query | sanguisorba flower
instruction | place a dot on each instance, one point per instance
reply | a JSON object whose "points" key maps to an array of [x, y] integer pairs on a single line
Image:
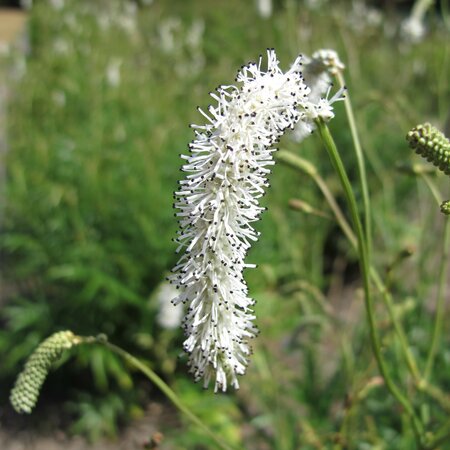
{"points": [[317, 72], [318, 69], [217, 203]]}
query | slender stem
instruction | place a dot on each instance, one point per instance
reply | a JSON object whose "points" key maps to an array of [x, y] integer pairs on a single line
{"points": [[165, 389], [365, 271], [439, 319], [432, 187], [438, 324], [305, 166], [361, 165], [387, 298], [420, 8]]}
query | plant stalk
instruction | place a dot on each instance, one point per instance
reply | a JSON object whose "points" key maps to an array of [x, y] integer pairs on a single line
{"points": [[361, 165], [365, 271], [165, 389], [439, 318]]}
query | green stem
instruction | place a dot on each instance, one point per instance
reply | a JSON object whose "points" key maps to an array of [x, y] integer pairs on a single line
{"points": [[420, 8], [305, 166], [361, 165], [432, 187], [439, 319], [165, 389], [388, 301], [365, 271]]}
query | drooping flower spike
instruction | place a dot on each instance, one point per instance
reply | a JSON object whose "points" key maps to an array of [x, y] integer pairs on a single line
{"points": [[427, 141], [445, 207], [26, 390], [217, 202]]}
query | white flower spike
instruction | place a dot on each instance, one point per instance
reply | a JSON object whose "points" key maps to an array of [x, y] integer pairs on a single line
{"points": [[217, 202], [317, 72]]}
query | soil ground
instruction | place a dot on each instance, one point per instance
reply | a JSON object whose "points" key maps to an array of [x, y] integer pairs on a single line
{"points": [[139, 435]]}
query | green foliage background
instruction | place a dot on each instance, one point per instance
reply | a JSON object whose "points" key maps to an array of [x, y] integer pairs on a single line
{"points": [[97, 119]]}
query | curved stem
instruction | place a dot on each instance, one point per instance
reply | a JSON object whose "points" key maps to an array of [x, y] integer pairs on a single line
{"points": [[438, 324], [365, 271], [387, 297], [439, 319], [432, 187], [361, 165], [165, 389], [305, 166], [420, 8]]}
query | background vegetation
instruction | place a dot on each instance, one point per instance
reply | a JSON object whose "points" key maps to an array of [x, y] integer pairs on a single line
{"points": [[101, 96]]}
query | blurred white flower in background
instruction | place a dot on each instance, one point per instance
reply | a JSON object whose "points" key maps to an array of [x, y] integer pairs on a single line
{"points": [[126, 17], [104, 22], [194, 42], [123, 15], [70, 20], [112, 74], [362, 17], [167, 31], [194, 34], [315, 4], [59, 98], [412, 29], [130, 8], [169, 316], [127, 23], [264, 8], [26, 4], [19, 51], [57, 4], [61, 46], [184, 43]]}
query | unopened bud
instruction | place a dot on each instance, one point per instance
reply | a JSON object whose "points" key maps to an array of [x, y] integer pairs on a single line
{"points": [[25, 393], [430, 143]]}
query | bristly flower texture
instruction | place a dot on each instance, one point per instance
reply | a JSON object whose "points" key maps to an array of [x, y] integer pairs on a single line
{"points": [[317, 72], [217, 202]]}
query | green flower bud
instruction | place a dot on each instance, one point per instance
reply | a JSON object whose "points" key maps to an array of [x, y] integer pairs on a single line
{"points": [[430, 143], [25, 393], [445, 207]]}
